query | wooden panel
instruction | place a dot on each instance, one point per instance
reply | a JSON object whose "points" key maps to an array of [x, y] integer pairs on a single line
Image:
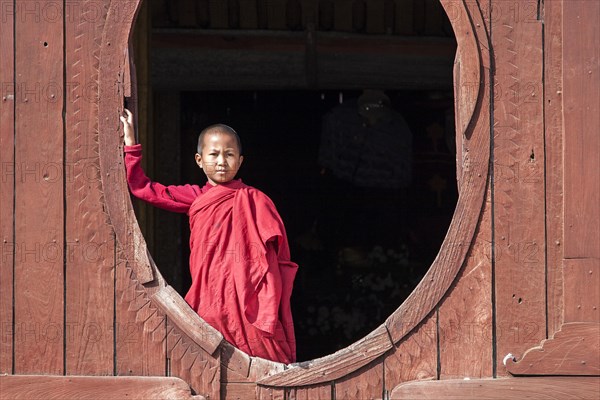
{"points": [[554, 162], [465, 316], [186, 13], [276, 14], [581, 85], [248, 14], [343, 15], [322, 392], [581, 290], [558, 388], [519, 215], [39, 212], [415, 357], [403, 17], [7, 190], [140, 330], [238, 391], [89, 269], [375, 16], [433, 18], [366, 383], [573, 350], [219, 17], [82, 387], [265, 393]]}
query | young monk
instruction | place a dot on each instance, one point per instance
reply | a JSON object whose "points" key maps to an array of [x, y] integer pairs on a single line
{"points": [[240, 264]]}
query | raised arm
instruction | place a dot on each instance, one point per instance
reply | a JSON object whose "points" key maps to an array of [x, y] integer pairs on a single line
{"points": [[177, 198]]}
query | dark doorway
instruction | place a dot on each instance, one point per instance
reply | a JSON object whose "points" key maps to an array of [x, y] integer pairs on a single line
{"points": [[361, 250]]}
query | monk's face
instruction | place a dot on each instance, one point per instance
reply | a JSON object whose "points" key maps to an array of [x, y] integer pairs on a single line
{"points": [[220, 158]]}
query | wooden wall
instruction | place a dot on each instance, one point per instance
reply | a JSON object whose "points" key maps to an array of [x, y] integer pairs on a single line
{"points": [[518, 272]]}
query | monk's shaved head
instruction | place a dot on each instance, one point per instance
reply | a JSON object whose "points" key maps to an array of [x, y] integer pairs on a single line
{"points": [[218, 128]]}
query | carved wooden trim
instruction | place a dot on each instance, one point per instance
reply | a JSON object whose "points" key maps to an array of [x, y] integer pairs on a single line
{"points": [[182, 316], [572, 351], [472, 131]]}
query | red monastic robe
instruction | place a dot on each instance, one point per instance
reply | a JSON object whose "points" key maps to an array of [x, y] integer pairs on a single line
{"points": [[240, 264]]}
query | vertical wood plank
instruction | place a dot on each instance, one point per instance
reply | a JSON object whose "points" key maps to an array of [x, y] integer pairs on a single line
{"points": [[266, 393], [39, 211], [248, 14], [465, 316], [375, 16], [366, 383], [7, 188], [404, 17], [582, 291], [581, 77], [276, 14], [553, 116], [343, 15], [309, 12], [414, 357], [89, 260], [322, 392], [219, 18], [519, 214], [433, 18], [186, 13]]}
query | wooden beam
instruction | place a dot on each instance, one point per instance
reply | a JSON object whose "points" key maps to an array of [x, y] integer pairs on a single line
{"points": [[562, 388], [245, 60], [32, 387]]}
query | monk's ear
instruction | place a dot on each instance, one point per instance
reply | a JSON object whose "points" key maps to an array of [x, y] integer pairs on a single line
{"points": [[199, 160], [241, 161]]}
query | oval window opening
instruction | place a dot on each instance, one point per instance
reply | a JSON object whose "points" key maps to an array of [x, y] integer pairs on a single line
{"points": [[351, 133]]}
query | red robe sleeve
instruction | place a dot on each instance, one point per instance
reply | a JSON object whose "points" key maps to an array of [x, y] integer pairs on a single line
{"points": [[177, 198]]}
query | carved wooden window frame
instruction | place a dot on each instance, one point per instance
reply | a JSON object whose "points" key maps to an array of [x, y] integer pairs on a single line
{"points": [[471, 82]]}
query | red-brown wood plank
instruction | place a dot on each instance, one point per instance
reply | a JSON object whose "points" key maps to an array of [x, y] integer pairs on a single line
{"points": [[266, 393], [414, 357], [366, 383], [465, 316], [581, 290], [89, 269], [33, 387], [321, 392], [39, 211], [554, 159], [519, 214], [550, 388], [7, 190], [581, 101]]}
